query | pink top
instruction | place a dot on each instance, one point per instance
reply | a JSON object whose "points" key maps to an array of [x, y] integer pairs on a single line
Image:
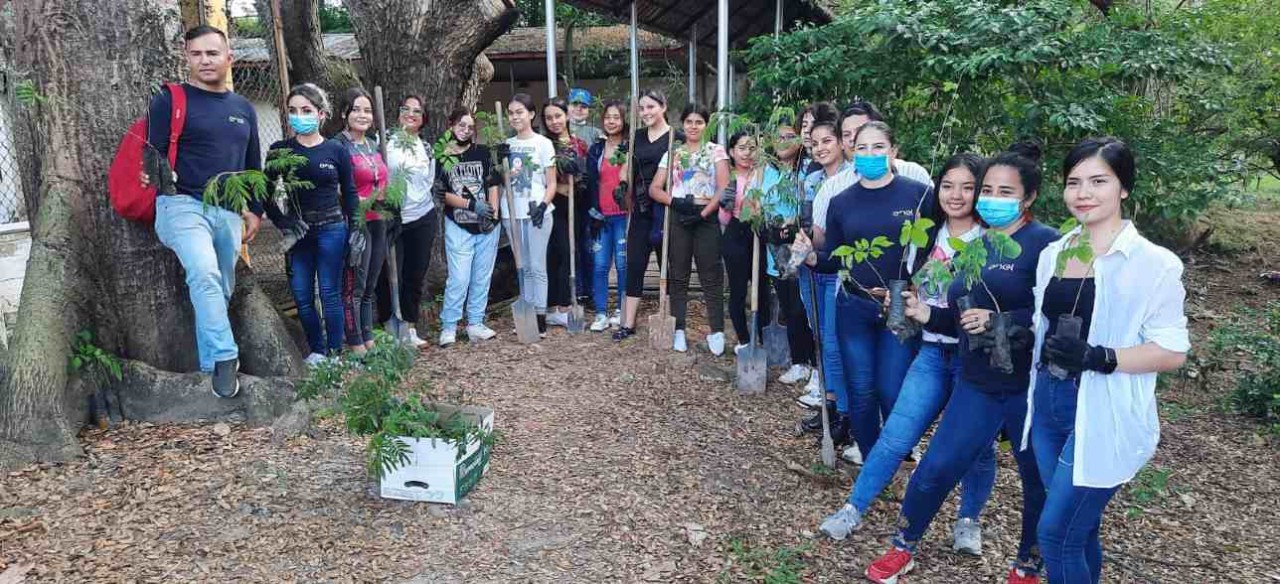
{"points": [[741, 182], [610, 177]]}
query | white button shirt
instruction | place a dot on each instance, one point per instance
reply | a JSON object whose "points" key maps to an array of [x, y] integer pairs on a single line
{"points": [[1138, 299]]}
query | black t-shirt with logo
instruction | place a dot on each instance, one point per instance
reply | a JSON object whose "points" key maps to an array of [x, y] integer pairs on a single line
{"points": [[471, 176], [332, 196]]}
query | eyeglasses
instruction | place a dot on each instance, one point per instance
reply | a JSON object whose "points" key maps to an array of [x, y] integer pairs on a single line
{"points": [[413, 111]]}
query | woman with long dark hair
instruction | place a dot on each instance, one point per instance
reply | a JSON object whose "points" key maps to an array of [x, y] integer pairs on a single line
{"points": [[318, 218], [607, 218], [570, 154], [1092, 419], [531, 165], [989, 395], [468, 183], [370, 252], [737, 246], [700, 172], [644, 237], [409, 158]]}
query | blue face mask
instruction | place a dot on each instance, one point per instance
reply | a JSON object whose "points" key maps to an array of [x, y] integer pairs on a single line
{"points": [[871, 166], [999, 211], [304, 124]]}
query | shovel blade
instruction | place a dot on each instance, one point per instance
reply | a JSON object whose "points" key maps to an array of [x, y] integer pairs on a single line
{"points": [[526, 320], [753, 368], [662, 330], [776, 346], [577, 320]]}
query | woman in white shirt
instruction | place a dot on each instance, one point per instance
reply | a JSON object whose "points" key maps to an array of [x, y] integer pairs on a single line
{"points": [[1092, 406], [531, 164], [409, 158]]}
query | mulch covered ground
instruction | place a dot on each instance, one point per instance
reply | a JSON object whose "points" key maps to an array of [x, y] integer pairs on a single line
{"points": [[617, 464]]}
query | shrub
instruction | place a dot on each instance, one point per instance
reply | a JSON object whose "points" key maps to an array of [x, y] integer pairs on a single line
{"points": [[1255, 335]]}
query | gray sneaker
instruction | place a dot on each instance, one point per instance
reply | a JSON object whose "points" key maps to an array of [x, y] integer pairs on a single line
{"points": [[225, 382], [841, 523], [968, 537]]}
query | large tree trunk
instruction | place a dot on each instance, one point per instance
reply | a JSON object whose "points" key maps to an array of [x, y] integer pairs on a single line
{"points": [[304, 46], [427, 47], [95, 63]]}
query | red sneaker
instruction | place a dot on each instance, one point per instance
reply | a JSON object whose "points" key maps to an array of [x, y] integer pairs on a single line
{"points": [[1017, 576], [894, 563]]}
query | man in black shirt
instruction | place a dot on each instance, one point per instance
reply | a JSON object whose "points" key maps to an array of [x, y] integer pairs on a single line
{"points": [[220, 135]]}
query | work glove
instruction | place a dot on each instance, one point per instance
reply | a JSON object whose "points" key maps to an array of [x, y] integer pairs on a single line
{"points": [[481, 209], [1021, 338], [729, 198], [537, 211], [984, 341], [503, 150], [568, 165], [806, 215], [1075, 355], [620, 194], [357, 242], [684, 206]]}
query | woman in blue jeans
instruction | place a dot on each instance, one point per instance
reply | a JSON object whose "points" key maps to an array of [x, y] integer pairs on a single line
{"points": [[987, 396], [467, 182], [605, 191], [929, 381], [316, 218], [1093, 422], [875, 361]]}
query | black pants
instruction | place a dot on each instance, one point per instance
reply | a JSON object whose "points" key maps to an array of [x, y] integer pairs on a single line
{"points": [[638, 252], [736, 247], [413, 259], [582, 220], [360, 283], [698, 242], [799, 335], [559, 286]]}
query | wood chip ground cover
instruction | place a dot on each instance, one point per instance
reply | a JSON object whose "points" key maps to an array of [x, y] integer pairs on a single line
{"points": [[618, 464]]}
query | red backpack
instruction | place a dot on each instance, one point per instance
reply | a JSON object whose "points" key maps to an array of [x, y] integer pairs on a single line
{"points": [[130, 198]]}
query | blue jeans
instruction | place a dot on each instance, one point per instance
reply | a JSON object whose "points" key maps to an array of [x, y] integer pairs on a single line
{"points": [[832, 368], [321, 255], [207, 241], [471, 257], [972, 420], [1072, 515], [608, 246], [875, 363], [925, 390]]}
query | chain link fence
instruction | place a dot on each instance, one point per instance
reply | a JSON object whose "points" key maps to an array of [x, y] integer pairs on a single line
{"points": [[12, 208]]}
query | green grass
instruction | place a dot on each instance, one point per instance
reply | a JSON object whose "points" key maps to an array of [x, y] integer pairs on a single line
{"points": [[1267, 188], [1148, 489], [763, 564]]}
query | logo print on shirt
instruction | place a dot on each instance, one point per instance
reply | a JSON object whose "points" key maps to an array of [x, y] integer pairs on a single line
{"points": [[904, 213], [237, 120], [327, 166]]}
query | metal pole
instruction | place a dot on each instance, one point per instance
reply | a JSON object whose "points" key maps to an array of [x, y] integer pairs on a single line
{"points": [[635, 59], [693, 63], [722, 61], [777, 19], [551, 48]]}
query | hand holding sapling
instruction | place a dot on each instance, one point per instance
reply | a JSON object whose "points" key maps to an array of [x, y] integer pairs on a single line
{"points": [[1076, 355]]}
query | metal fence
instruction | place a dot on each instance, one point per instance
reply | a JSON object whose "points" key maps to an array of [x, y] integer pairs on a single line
{"points": [[12, 208]]}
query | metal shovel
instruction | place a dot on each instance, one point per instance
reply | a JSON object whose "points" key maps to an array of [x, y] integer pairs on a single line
{"points": [[393, 269], [753, 363], [662, 326], [776, 345], [577, 322], [828, 445], [522, 312]]}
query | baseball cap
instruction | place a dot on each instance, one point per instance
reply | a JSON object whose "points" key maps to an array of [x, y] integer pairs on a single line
{"points": [[580, 95]]}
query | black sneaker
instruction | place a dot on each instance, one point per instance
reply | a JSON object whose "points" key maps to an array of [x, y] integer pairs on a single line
{"points": [[814, 423], [624, 333], [225, 382]]}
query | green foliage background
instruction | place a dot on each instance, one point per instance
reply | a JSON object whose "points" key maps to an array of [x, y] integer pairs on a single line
{"points": [[956, 75]]}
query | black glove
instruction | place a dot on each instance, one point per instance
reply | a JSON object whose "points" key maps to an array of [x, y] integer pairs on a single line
{"points": [[620, 194], [780, 236], [481, 209], [623, 146], [1021, 338], [568, 165], [503, 150], [1076, 355], [684, 206], [806, 215], [537, 211], [357, 241], [983, 341], [729, 198]]}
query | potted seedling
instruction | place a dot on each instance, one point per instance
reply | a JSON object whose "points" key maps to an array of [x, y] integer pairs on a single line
{"points": [[914, 233], [1081, 250], [968, 263]]}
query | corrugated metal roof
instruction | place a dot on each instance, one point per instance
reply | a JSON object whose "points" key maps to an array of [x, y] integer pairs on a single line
{"points": [[747, 18]]}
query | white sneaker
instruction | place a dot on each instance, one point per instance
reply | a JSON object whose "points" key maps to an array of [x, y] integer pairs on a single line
{"points": [[314, 359], [558, 319], [479, 332], [715, 342], [967, 537], [738, 349], [813, 397], [600, 324], [852, 455], [840, 524], [917, 455], [448, 337], [795, 374], [616, 319], [411, 337], [815, 384], [678, 342]]}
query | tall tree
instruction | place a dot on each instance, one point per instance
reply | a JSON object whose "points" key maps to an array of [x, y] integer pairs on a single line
{"points": [[304, 45], [93, 65], [429, 47]]}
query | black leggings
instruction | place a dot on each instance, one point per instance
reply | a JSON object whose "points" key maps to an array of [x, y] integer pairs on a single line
{"points": [[700, 242], [638, 252], [360, 282], [736, 247], [559, 288], [413, 259], [799, 335]]}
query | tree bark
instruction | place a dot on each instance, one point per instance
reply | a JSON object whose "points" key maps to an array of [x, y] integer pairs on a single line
{"points": [[427, 47], [96, 64]]}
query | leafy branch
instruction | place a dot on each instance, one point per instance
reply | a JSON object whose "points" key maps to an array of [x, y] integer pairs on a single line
{"points": [[87, 357], [861, 252]]}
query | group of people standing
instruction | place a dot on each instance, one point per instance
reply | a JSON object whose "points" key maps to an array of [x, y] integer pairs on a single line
{"points": [[1083, 338]]}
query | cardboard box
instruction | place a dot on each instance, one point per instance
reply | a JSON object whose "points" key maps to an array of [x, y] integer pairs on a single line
{"points": [[435, 473]]}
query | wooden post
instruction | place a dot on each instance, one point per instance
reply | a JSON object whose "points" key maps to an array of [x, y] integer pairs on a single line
{"points": [[282, 66]]}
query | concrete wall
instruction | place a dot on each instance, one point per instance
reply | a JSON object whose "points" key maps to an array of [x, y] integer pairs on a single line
{"points": [[15, 248], [11, 206]]}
